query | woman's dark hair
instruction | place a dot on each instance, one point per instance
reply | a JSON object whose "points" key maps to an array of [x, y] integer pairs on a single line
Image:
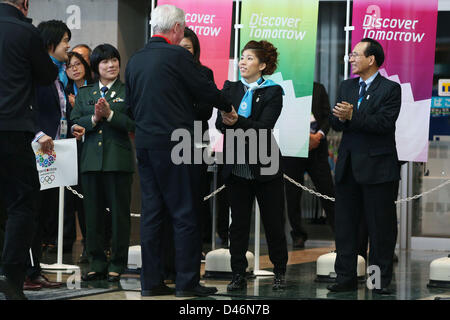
{"points": [[266, 53], [375, 49], [103, 52], [188, 33], [52, 33], [87, 69]]}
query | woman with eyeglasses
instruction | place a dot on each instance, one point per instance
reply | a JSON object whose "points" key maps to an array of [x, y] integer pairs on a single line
{"points": [[79, 74]]}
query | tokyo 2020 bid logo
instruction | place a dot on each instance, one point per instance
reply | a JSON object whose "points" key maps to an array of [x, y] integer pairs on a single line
{"points": [[46, 159]]}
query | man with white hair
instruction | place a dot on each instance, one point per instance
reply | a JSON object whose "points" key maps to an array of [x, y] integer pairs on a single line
{"points": [[162, 84]]}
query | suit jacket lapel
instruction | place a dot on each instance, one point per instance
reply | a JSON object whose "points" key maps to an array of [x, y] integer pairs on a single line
{"points": [[373, 86], [115, 88]]}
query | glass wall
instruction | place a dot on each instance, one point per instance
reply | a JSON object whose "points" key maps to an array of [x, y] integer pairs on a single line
{"points": [[431, 213]]}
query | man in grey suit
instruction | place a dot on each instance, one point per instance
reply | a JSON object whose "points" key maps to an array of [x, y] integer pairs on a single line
{"points": [[367, 168]]}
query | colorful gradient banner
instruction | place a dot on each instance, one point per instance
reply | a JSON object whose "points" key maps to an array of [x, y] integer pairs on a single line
{"points": [[291, 26], [211, 21], [407, 32]]}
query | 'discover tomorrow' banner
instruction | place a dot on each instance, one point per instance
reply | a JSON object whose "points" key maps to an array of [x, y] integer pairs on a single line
{"points": [[291, 26], [407, 32], [211, 22]]}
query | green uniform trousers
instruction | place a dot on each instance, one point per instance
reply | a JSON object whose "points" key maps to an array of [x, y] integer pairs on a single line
{"points": [[107, 190]]}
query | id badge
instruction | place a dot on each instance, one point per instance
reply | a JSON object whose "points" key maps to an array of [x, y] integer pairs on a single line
{"points": [[63, 130]]}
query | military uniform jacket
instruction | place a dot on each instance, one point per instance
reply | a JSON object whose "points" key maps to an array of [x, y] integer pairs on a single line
{"points": [[107, 145]]}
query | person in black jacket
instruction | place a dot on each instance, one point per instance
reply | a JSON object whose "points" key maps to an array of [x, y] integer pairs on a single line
{"points": [[260, 102], [316, 165], [163, 83], [23, 63], [53, 114]]}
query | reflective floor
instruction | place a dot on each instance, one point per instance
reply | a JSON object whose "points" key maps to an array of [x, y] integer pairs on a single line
{"points": [[411, 276]]}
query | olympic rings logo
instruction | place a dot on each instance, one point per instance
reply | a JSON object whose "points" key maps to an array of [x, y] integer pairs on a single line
{"points": [[46, 159], [48, 179]]}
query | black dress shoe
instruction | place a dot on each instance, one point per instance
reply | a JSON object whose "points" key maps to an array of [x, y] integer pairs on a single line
{"points": [[238, 282], [93, 276], [113, 278], [382, 291], [198, 291], [11, 291], [279, 282], [161, 290], [298, 243], [343, 287], [83, 257]]}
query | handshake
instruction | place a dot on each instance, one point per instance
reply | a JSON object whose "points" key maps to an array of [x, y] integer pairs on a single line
{"points": [[229, 118]]}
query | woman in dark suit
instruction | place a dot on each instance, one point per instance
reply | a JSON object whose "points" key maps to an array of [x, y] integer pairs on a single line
{"points": [[107, 163], [203, 112], [260, 102]]}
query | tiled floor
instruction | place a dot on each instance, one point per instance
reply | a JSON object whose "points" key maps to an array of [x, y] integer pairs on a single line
{"points": [[411, 275]]}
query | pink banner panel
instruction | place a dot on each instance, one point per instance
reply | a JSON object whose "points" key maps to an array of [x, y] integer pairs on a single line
{"points": [[211, 21], [407, 32]]}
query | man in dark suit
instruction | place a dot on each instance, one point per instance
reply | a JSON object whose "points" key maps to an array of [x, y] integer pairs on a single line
{"points": [[163, 83], [367, 167], [24, 63], [316, 165]]}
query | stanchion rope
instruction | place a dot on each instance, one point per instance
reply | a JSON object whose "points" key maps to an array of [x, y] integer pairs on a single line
{"points": [[417, 196]]}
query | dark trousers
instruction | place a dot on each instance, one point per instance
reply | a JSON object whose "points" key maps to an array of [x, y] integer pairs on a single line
{"points": [[241, 195], [205, 209], [376, 203], [223, 210], [18, 185], [316, 165], [168, 189], [363, 234], [47, 203], [107, 190]]}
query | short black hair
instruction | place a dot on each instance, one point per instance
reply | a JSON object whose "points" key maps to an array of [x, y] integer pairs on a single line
{"points": [[52, 33], [103, 52], [375, 49], [87, 69]]}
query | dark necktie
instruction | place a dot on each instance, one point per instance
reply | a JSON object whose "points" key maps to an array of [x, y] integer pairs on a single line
{"points": [[362, 92], [104, 90]]}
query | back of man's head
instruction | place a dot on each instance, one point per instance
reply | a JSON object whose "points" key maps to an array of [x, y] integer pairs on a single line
{"points": [[164, 17], [22, 5]]}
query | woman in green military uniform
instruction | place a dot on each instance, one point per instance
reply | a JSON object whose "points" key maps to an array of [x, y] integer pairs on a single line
{"points": [[107, 163]]}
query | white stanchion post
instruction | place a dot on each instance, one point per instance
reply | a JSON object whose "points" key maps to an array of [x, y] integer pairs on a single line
{"points": [[257, 272], [59, 265], [60, 225]]}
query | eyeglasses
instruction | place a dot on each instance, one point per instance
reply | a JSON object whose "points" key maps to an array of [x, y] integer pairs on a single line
{"points": [[354, 55], [76, 64]]}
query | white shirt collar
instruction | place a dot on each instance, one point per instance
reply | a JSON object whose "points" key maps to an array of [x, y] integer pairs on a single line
{"points": [[100, 84], [370, 80]]}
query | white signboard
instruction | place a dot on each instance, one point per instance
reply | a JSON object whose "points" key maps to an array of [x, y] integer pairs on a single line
{"points": [[59, 167]]}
